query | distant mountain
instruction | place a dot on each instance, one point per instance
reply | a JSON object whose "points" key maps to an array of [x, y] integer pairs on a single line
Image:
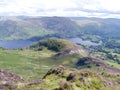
{"points": [[23, 27], [17, 28], [105, 28]]}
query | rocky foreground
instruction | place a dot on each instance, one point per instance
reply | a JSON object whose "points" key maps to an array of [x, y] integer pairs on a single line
{"points": [[58, 78]]}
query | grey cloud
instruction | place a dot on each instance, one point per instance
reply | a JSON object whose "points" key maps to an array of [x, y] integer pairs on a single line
{"points": [[80, 7]]}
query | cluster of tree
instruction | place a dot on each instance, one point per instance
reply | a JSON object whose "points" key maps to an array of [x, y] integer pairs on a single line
{"points": [[112, 44], [51, 44], [113, 57], [116, 50], [108, 52], [98, 48]]}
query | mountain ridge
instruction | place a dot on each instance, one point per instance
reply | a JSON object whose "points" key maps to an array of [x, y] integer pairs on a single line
{"points": [[30, 27]]}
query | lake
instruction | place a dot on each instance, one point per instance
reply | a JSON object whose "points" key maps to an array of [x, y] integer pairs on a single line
{"points": [[15, 44], [80, 41]]}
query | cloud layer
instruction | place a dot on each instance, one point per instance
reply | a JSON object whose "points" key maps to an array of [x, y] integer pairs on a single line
{"points": [[89, 8]]}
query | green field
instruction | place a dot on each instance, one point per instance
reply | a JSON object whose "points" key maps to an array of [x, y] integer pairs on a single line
{"points": [[28, 67], [32, 64], [114, 64]]}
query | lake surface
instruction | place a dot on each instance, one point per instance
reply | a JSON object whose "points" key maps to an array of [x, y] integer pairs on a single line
{"points": [[15, 44], [80, 41]]}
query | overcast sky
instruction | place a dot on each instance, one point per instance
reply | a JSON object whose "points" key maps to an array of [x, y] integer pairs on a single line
{"points": [[89, 8]]}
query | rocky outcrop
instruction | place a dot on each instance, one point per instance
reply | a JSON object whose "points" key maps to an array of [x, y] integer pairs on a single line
{"points": [[98, 64], [69, 79], [58, 78], [9, 80], [69, 51]]}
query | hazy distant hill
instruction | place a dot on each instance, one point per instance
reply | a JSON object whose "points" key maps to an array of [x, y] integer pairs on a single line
{"points": [[17, 28], [37, 27], [96, 26]]}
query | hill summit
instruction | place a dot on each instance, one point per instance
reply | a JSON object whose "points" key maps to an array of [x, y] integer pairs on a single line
{"points": [[61, 46]]}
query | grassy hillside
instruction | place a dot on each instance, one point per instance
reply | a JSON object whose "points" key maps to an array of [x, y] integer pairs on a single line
{"points": [[34, 65], [35, 62], [25, 66]]}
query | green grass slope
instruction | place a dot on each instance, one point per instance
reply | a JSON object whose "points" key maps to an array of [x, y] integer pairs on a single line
{"points": [[32, 64], [35, 62]]}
